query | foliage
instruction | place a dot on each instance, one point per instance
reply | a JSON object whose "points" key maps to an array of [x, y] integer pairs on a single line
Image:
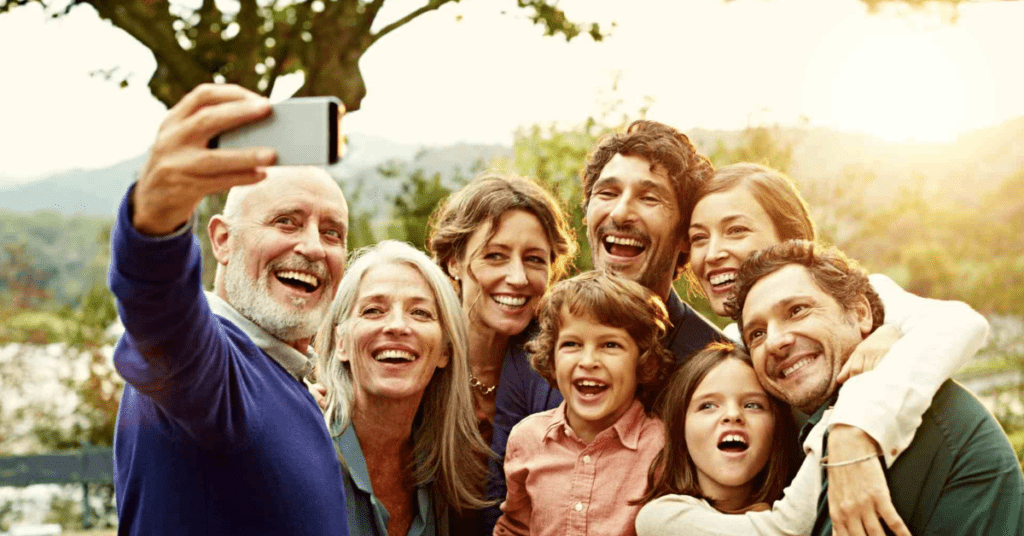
{"points": [[6, 513], [416, 201], [46, 255], [760, 144], [64, 511], [253, 43]]}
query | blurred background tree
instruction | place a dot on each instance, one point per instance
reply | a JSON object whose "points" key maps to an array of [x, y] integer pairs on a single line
{"points": [[253, 43]]}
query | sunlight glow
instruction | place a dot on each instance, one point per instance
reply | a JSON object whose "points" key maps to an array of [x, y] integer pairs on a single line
{"points": [[899, 85]]}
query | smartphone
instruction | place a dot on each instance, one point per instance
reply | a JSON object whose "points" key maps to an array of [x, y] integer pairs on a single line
{"points": [[303, 131]]}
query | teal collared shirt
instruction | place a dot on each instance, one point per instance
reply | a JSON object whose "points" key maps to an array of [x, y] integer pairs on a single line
{"points": [[367, 515]]}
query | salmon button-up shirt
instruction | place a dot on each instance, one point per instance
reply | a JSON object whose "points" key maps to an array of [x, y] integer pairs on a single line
{"points": [[559, 485]]}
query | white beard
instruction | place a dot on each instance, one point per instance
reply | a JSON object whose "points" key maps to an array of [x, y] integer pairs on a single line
{"points": [[252, 299]]}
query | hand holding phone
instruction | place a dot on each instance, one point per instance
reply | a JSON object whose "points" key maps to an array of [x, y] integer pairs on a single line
{"points": [[303, 131], [180, 169]]}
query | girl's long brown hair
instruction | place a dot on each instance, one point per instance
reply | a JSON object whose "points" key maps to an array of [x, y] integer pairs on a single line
{"points": [[673, 470]]}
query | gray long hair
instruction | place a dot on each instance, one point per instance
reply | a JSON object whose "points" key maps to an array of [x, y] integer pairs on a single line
{"points": [[447, 446]]}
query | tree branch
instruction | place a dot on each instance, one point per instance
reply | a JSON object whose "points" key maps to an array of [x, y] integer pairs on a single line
{"points": [[151, 24], [431, 6]]}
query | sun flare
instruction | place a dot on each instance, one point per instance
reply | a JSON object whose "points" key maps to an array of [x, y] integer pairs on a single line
{"points": [[903, 86]]}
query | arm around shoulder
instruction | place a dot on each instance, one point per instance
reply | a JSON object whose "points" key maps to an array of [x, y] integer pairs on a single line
{"points": [[939, 336]]}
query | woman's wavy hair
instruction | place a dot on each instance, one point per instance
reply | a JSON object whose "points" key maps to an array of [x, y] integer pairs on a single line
{"points": [[673, 470], [485, 200], [610, 300], [660, 145], [448, 451], [774, 191]]}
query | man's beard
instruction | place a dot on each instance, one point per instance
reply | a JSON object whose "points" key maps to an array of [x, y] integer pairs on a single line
{"points": [[658, 267], [253, 301]]}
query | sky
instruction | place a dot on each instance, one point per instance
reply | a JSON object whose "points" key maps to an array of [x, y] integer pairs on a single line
{"points": [[477, 70]]}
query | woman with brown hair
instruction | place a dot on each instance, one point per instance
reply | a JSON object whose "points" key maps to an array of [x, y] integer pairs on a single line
{"points": [[746, 207], [502, 240]]}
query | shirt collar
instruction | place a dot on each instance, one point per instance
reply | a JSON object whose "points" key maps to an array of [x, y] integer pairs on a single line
{"points": [[627, 428], [817, 416], [298, 365], [348, 444]]}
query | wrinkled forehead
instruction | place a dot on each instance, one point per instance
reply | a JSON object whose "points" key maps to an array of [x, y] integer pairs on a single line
{"points": [[309, 188]]}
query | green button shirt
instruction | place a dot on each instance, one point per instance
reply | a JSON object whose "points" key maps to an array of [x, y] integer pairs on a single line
{"points": [[959, 476]]}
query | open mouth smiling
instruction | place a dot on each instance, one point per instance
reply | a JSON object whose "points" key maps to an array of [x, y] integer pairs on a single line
{"points": [[721, 280], [509, 302], [298, 280], [394, 356], [588, 387], [788, 371], [623, 246]]}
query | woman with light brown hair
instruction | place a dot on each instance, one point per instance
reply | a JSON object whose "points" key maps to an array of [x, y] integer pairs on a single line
{"points": [[747, 207], [502, 240]]}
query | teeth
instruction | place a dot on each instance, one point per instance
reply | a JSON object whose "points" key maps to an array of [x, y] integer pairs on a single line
{"points": [[623, 241], [718, 279], [589, 383], [510, 301], [299, 276], [394, 354], [734, 437], [795, 366]]}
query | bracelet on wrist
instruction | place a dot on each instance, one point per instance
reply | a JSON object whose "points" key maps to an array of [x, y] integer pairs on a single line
{"points": [[826, 463]]}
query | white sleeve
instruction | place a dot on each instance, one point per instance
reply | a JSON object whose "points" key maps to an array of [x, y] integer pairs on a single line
{"points": [[938, 338], [792, 515], [733, 332]]}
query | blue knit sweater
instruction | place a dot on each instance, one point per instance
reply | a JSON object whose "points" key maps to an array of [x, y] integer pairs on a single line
{"points": [[213, 436]]}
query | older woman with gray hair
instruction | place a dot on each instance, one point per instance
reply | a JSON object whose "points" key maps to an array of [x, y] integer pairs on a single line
{"points": [[393, 357]]}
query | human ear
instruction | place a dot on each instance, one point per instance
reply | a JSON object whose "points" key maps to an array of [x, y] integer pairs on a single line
{"points": [[339, 344], [220, 235], [454, 270], [862, 314], [445, 357]]}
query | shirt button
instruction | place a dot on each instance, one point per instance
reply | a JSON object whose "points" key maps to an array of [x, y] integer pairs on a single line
{"points": [[586, 458], [894, 452], [579, 506]]}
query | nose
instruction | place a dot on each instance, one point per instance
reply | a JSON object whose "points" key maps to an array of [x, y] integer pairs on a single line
{"points": [[396, 322], [588, 358], [716, 252], [309, 244], [516, 275], [622, 212], [778, 341], [732, 413]]}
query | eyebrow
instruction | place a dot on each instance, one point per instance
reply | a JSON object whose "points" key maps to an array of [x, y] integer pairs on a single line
{"points": [[781, 304], [379, 296], [602, 181]]}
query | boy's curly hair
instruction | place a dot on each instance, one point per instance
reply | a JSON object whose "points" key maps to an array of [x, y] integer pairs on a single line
{"points": [[610, 300]]}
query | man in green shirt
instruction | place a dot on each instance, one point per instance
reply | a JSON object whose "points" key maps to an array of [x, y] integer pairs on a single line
{"points": [[803, 310]]}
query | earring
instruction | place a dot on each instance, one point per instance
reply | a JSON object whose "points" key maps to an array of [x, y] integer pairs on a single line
{"points": [[456, 278]]}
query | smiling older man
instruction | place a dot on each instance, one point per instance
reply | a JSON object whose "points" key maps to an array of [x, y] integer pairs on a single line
{"points": [[217, 433]]}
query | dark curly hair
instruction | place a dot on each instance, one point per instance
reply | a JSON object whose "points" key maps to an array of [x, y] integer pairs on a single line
{"points": [[485, 200], [664, 147], [836, 274], [610, 300]]}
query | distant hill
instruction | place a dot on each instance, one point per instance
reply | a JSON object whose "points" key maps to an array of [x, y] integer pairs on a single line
{"points": [[99, 191]]}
